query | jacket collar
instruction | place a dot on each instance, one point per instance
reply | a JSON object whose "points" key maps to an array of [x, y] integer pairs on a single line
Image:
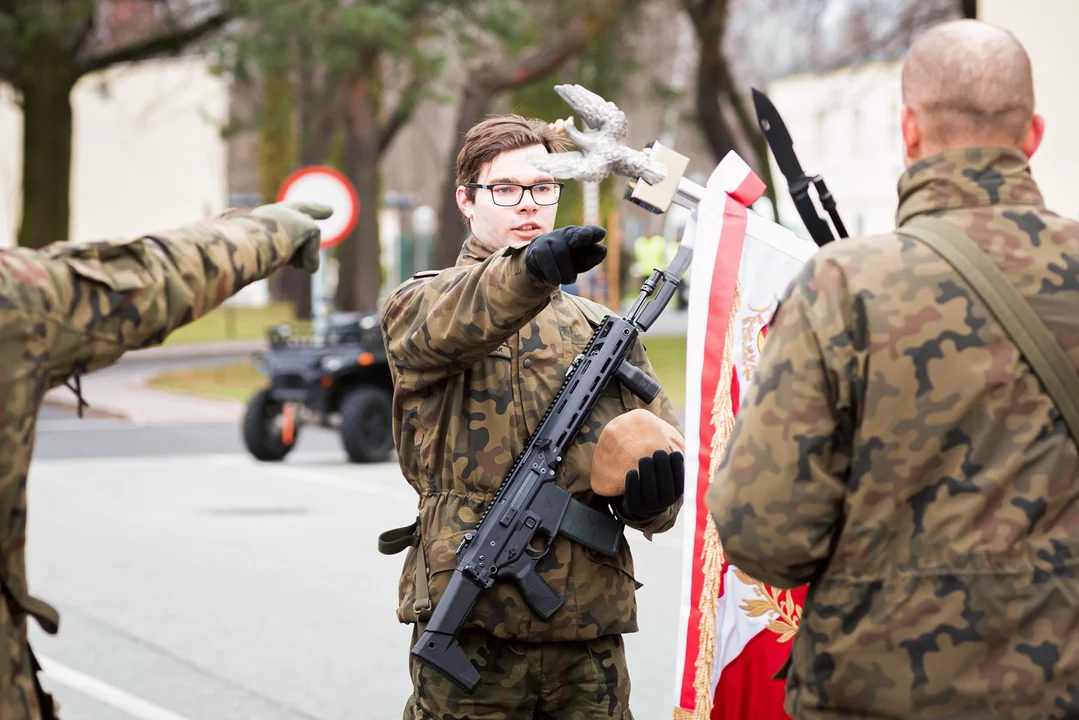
{"points": [[475, 250], [966, 178]]}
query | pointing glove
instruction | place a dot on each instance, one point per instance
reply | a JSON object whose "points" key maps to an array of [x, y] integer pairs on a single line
{"points": [[657, 484], [558, 256], [295, 218]]}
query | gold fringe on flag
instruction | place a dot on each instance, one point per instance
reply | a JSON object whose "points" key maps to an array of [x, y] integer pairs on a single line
{"points": [[723, 421]]}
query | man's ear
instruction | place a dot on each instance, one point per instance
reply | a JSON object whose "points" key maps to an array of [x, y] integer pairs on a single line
{"points": [[463, 203], [1033, 139], [912, 135]]}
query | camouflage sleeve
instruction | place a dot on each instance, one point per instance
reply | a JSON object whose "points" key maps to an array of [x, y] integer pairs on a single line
{"points": [[439, 326], [662, 407], [96, 300], [777, 497]]}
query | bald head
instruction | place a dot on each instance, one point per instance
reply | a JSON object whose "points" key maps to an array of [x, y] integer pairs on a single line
{"points": [[969, 83]]}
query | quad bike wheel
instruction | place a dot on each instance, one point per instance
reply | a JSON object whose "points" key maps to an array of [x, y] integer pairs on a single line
{"points": [[367, 424], [268, 435]]}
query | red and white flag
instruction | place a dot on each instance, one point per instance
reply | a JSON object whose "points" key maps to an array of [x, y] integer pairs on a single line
{"points": [[735, 632]]}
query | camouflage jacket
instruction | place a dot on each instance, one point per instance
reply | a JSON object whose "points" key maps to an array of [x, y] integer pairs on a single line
{"points": [[478, 352], [898, 455], [74, 308]]}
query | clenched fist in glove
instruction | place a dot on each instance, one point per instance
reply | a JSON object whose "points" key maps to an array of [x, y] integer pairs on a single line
{"points": [[297, 219], [657, 484], [558, 256]]}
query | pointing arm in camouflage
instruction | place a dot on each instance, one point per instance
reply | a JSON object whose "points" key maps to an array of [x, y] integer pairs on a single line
{"points": [[777, 497], [75, 307], [440, 326], [94, 301]]}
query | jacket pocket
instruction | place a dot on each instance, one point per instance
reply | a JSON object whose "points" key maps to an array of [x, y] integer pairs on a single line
{"points": [[118, 266]]}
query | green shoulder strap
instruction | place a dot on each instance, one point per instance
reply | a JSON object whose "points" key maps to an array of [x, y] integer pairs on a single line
{"points": [[1044, 354], [593, 311]]}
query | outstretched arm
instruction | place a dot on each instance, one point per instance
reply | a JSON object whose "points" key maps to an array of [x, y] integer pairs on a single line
{"points": [[88, 303]]}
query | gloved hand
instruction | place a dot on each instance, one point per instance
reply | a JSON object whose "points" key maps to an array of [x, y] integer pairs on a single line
{"points": [[296, 220], [657, 484], [558, 256]]}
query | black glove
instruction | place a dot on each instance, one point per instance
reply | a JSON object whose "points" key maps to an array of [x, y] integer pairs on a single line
{"points": [[558, 256], [658, 485]]}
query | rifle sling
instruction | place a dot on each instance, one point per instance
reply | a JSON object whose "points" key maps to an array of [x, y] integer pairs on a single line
{"points": [[394, 541], [599, 531]]}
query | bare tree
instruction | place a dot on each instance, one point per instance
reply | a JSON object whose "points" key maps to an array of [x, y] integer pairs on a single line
{"points": [[502, 71], [744, 43], [46, 46], [721, 106], [339, 80], [872, 29], [370, 128]]}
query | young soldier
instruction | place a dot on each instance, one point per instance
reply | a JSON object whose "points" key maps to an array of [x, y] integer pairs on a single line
{"points": [[478, 352]]}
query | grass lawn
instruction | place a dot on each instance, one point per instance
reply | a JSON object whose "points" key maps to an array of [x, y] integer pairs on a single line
{"points": [[668, 358], [240, 380], [236, 323]]}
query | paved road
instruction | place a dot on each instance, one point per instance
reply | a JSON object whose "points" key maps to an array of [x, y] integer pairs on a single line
{"points": [[195, 583], [62, 435]]}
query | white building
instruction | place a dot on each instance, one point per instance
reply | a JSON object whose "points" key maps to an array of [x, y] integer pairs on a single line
{"points": [[845, 127], [845, 121], [147, 153], [147, 150], [1046, 29]]}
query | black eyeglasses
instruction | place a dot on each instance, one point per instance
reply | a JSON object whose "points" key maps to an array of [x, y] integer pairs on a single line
{"points": [[510, 194]]}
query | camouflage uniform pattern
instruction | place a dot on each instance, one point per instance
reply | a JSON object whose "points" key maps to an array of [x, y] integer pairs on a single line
{"points": [[898, 455], [580, 680], [477, 353], [74, 308]]}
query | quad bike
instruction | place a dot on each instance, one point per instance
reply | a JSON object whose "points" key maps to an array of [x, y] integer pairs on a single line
{"points": [[343, 383]]}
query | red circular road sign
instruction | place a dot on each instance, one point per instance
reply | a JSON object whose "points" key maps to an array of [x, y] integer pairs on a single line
{"points": [[325, 185]]}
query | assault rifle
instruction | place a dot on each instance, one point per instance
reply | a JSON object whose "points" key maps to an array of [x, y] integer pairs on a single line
{"points": [[529, 505]]}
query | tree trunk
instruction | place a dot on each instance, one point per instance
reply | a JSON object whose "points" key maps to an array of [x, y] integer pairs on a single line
{"points": [[359, 257], [488, 81], [714, 83], [452, 232], [292, 283], [709, 74], [46, 78], [276, 143], [758, 145]]}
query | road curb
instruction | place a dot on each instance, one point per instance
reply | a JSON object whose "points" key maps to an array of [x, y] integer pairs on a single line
{"points": [[195, 351], [136, 400], [91, 410]]}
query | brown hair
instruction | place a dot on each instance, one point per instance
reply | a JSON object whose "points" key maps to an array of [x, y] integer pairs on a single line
{"points": [[497, 134]]}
